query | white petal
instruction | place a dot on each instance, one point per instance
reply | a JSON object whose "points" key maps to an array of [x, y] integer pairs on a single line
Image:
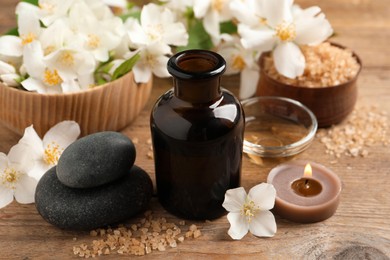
{"points": [[160, 68], [151, 15], [142, 73], [263, 195], [25, 189], [234, 199], [248, 82], [3, 162], [33, 59], [261, 39], [244, 13], [11, 46], [289, 60], [6, 196], [201, 8], [238, 225], [211, 25], [28, 23], [63, 134], [313, 31], [136, 32], [32, 84], [116, 3], [176, 34], [39, 169], [278, 11], [263, 224], [20, 155], [69, 86], [11, 79], [6, 68], [31, 138]]}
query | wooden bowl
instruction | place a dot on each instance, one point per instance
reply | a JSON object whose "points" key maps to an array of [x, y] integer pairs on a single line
{"points": [[329, 104], [111, 106]]}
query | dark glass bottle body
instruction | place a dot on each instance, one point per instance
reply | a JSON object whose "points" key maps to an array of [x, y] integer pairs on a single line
{"points": [[197, 132]]}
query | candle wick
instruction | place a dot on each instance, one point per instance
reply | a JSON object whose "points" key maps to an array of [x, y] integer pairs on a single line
{"points": [[306, 181]]}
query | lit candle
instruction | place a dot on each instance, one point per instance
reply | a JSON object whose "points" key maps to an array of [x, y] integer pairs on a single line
{"points": [[305, 194]]}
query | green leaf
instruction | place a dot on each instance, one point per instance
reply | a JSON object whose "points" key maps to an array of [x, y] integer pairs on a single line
{"points": [[228, 27], [13, 31], [33, 2], [125, 67], [134, 14], [198, 38]]}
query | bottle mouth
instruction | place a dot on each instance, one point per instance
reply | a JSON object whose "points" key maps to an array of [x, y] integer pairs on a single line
{"points": [[196, 64]]}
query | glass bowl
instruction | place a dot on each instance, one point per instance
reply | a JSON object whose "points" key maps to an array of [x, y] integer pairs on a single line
{"points": [[277, 127]]}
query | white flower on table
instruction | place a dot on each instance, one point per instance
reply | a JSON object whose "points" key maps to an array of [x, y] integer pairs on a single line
{"points": [[241, 60], [212, 13], [158, 25], [251, 212], [282, 30], [46, 152], [14, 180]]}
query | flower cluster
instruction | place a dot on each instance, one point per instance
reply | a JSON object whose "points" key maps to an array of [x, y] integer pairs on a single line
{"points": [[70, 45], [28, 160], [67, 46]]}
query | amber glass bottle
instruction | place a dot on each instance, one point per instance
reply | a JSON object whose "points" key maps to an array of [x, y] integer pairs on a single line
{"points": [[197, 132]]}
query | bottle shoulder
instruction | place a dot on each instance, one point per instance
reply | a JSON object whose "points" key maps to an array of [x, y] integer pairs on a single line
{"points": [[199, 122]]}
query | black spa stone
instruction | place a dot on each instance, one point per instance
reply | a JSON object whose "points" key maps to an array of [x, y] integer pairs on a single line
{"points": [[86, 209], [96, 159]]}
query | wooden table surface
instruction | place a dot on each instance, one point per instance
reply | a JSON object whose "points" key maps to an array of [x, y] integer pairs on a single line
{"points": [[360, 229]]}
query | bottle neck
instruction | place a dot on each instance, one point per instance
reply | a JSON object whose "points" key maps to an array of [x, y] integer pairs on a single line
{"points": [[198, 91], [197, 75]]}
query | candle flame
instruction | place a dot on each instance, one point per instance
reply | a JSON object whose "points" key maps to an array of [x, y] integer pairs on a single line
{"points": [[307, 173]]}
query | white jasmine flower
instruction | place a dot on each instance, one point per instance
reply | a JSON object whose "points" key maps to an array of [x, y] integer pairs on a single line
{"points": [[65, 70], [152, 59], [282, 30], [56, 36], [14, 180], [98, 36], [52, 10], [241, 60], [212, 13], [45, 153], [158, 25], [251, 212]]}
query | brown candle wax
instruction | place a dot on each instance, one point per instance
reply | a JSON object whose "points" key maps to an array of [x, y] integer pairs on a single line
{"points": [[302, 199]]}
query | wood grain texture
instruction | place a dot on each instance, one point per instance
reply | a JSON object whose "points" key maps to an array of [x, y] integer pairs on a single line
{"points": [[360, 229]]}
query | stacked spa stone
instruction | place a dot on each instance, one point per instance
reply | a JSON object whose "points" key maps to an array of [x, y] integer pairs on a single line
{"points": [[94, 184]]}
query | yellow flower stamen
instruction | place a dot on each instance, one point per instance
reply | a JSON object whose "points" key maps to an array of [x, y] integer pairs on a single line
{"points": [[93, 41], [28, 38], [155, 32], [52, 78], [249, 209], [286, 31], [217, 5], [238, 63], [52, 153], [66, 58], [49, 49], [10, 177]]}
